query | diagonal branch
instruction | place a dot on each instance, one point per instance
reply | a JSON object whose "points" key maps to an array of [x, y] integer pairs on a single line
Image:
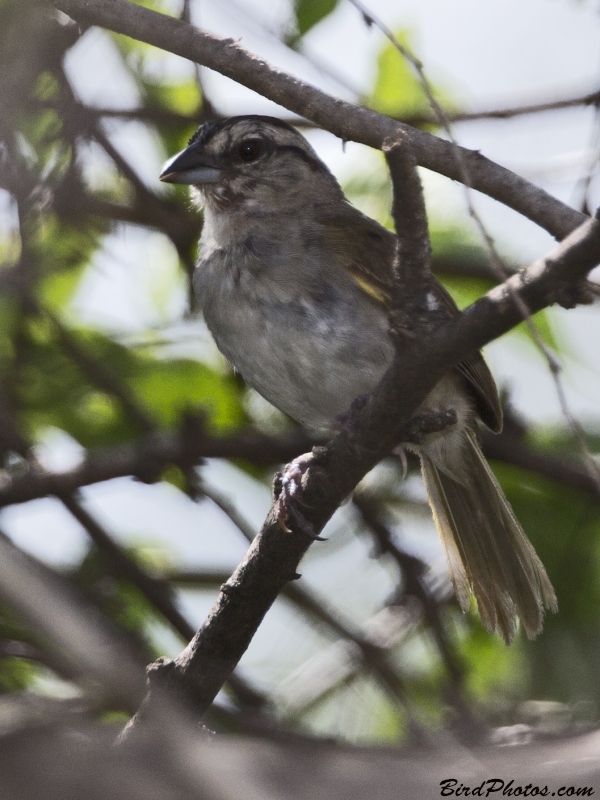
{"points": [[348, 121], [412, 571], [317, 608], [272, 559]]}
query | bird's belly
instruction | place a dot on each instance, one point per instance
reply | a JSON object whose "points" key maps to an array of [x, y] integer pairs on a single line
{"points": [[309, 362]]}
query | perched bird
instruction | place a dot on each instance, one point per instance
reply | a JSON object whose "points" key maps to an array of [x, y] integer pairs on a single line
{"points": [[295, 284]]}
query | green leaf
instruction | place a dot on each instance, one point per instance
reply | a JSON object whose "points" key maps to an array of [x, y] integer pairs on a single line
{"points": [[458, 243], [58, 289], [564, 527], [397, 91], [16, 674], [183, 98], [307, 14], [54, 390], [175, 476], [171, 388], [492, 667]]}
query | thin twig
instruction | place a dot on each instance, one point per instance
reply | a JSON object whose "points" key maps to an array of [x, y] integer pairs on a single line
{"points": [[506, 112], [156, 590]]}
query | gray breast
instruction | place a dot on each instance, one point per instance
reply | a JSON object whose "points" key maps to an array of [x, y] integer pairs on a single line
{"points": [[303, 335]]}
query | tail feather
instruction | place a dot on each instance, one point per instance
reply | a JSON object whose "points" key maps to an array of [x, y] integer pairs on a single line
{"points": [[487, 549]]}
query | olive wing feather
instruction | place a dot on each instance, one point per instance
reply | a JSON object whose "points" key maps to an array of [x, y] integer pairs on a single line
{"points": [[369, 259]]}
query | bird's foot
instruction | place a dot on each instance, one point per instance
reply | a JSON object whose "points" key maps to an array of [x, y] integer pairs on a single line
{"points": [[418, 429], [290, 495]]}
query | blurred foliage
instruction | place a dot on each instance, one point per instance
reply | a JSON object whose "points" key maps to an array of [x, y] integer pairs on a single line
{"points": [[16, 674], [307, 14], [54, 368], [397, 90], [118, 600], [53, 390]]}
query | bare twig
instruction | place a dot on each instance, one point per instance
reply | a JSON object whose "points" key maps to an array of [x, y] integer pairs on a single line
{"points": [[412, 571], [412, 264], [87, 646], [165, 116], [506, 112], [511, 448], [155, 590], [98, 374]]}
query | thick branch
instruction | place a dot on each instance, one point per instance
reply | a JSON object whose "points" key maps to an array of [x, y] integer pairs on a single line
{"points": [[273, 557], [349, 122]]}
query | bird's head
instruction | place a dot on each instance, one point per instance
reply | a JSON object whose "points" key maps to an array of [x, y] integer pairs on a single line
{"points": [[252, 164]]}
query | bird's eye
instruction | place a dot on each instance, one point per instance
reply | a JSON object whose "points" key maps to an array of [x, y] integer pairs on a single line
{"points": [[250, 150]]}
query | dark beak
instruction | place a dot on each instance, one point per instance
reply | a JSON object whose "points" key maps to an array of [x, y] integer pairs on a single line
{"points": [[191, 166]]}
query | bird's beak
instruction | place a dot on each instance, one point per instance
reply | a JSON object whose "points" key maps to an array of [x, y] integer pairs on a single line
{"points": [[191, 166]]}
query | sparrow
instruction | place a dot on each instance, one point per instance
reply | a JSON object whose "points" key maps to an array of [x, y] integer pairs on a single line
{"points": [[295, 285]]}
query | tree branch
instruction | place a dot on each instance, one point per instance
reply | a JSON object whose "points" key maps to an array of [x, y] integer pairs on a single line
{"points": [[146, 458], [273, 557], [348, 121], [587, 99], [412, 571], [317, 608], [510, 448]]}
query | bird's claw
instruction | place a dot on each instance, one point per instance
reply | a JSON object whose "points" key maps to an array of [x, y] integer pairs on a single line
{"points": [[400, 451], [291, 494]]}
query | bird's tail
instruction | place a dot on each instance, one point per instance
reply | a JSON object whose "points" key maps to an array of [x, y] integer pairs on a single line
{"points": [[487, 550]]}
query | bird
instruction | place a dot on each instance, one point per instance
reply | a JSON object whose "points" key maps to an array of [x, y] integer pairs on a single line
{"points": [[295, 286]]}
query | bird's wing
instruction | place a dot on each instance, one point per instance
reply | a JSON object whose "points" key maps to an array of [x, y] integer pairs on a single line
{"points": [[477, 375], [367, 251]]}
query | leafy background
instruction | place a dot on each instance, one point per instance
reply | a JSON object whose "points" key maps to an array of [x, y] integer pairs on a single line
{"points": [[100, 346]]}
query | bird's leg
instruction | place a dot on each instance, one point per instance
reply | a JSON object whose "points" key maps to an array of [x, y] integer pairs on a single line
{"points": [[419, 428], [289, 483], [428, 422], [290, 494]]}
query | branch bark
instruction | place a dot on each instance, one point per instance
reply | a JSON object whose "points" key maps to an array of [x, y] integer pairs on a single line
{"points": [[147, 456], [273, 557], [348, 121]]}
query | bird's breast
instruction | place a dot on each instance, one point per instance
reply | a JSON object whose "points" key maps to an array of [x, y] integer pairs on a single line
{"points": [[307, 342]]}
